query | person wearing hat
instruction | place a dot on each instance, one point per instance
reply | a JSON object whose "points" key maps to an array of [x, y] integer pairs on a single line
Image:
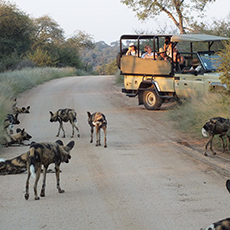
{"points": [[162, 56], [133, 51], [196, 67]]}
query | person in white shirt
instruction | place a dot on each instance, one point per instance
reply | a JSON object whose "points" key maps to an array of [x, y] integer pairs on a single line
{"points": [[133, 51], [196, 67], [149, 53]]}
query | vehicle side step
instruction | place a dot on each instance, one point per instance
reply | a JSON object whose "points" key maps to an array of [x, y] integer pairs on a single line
{"points": [[131, 95]]}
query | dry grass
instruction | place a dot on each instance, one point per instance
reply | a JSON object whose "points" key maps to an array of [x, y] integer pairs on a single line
{"points": [[15, 82], [191, 116]]}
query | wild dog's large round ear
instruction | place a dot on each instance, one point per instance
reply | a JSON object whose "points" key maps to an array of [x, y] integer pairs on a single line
{"points": [[18, 130], [69, 146], [228, 185], [89, 114], [51, 113], [28, 107], [59, 142]]}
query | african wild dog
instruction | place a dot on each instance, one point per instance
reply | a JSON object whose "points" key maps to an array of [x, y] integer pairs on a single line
{"points": [[65, 115], [10, 121], [17, 138], [216, 126], [14, 166], [222, 224], [21, 110], [98, 121], [18, 109], [45, 154]]}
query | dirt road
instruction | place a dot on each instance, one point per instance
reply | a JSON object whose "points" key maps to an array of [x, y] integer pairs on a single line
{"points": [[144, 180]]}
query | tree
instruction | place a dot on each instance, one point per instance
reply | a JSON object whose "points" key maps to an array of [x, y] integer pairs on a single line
{"points": [[181, 12], [16, 30], [47, 32]]}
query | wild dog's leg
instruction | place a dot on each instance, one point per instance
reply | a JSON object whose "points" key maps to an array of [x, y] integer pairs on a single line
{"points": [[222, 141], [27, 184], [75, 126], [38, 173], [61, 127], [57, 168], [206, 146], [214, 153], [105, 132], [44, 181], [91, 141], [73, 123], [227, 146], [97, 130]]}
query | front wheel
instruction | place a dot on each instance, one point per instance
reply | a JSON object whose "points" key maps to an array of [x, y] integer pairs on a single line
{"points": [[151, 100]]}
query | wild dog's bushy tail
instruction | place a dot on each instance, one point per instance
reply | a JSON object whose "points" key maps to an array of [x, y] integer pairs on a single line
{"points": [[32, 166]]}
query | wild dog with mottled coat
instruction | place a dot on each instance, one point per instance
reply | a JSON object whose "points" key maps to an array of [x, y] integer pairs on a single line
{"points": [[65, 115], [9, 123], [18, 138], [14, 166], [98, 121], [46, 153], [222, 224], [21, 110], [216, 126]]}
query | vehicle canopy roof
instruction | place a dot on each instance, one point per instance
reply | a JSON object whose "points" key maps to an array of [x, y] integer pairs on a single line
{"points": [[177, 38]]}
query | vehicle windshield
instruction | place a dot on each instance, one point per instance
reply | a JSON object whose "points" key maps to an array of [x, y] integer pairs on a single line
{"points": [[210, 60]]}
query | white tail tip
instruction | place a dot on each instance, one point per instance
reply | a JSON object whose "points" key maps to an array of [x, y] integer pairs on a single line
{"points": [[204, 132], [2, 160], [32, 171]]}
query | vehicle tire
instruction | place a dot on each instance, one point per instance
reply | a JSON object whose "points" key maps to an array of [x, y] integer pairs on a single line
{"points": [[151, 100]]}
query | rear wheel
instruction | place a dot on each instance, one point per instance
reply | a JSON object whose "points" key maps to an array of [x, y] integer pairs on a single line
{"points": [[151, 100]]}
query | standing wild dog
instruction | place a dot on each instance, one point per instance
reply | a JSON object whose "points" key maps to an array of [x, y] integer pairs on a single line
{"points": [[65, 115], [45, 154], [216, 126], [222, 224], [98, 121], [9, 123], [14, 166], [18, 138]]}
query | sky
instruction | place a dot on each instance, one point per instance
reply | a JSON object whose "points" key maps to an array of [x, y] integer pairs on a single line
{"points": [[104, 20]]}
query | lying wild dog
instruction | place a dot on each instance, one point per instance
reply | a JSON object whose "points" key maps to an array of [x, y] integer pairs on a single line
{"points": [[216, 126], [9, 122], [14, 166], [45, 154], [21, 110], [18, 109], [222, 224], [98, 121], [18, 138], [65, 115]]}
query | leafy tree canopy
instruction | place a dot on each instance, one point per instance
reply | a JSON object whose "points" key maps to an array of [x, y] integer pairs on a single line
{"points": [[181, 12]]}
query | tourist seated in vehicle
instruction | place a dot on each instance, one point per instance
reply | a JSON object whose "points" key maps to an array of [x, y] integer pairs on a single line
{"points": [[195, 67], [149, 53], [162, 56], [179, 60], [168, 46], [133, 51]]}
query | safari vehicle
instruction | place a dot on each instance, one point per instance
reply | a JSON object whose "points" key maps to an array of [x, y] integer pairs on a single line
{"points": [[156, 81]]}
